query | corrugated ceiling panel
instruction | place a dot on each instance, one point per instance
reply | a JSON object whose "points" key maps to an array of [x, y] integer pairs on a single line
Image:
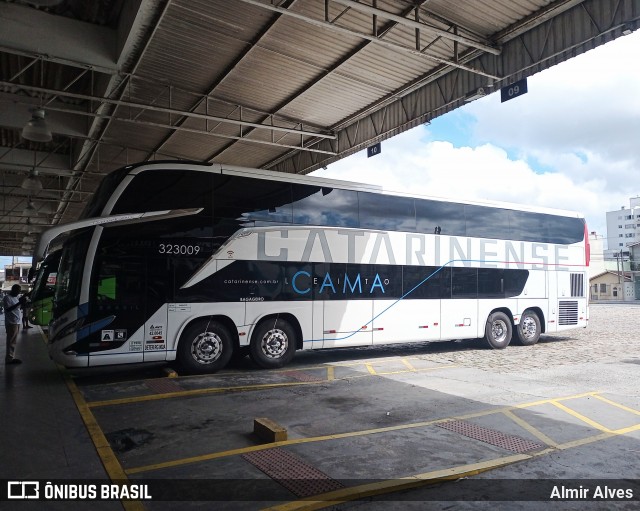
{"points": [[248, 155], [265, 79], [197, 40], [485, 17], [338, 97], [307, 43]]}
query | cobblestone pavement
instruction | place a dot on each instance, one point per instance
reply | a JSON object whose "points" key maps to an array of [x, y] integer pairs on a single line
{"points": [[613, 334]]}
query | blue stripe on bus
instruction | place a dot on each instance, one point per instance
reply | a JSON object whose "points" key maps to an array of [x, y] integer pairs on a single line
{"points": [[411, 291]]}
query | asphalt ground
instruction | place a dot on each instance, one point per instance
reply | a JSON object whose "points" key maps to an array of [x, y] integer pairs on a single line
{"points": [[441, 426]]}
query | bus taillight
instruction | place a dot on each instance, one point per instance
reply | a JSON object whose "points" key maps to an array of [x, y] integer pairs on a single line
{"points": [[587, 246]]}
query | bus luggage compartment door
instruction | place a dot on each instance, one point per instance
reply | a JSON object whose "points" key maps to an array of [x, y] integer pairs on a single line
{"points": [[398, 321], [347, 323]]}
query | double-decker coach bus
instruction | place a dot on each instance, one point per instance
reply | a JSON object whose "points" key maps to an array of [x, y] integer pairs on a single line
{"points": [[266, 263]]}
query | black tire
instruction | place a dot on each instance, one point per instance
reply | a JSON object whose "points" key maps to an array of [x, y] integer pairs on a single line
{"points": [[204, 347], [273, 343], [498, 331], [529, 330]]}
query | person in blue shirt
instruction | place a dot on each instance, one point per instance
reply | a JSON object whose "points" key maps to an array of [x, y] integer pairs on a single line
{"points": [[12, 321]]}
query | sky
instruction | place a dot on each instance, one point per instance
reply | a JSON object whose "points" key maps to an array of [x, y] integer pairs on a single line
{"points": [[572, 142]]}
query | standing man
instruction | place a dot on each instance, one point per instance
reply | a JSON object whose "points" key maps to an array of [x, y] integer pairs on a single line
{"points": [[12, 305]]}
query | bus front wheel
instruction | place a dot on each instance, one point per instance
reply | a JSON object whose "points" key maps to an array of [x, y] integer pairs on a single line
{"points": [[205, 347], [498, 331], [273, 344], [528, 331]]}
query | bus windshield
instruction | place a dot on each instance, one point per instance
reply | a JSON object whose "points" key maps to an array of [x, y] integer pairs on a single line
{"points": [[69, 278], [44, 286]]}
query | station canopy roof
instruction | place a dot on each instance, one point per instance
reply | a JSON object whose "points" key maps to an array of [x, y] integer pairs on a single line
{"points": [[284, 85]]}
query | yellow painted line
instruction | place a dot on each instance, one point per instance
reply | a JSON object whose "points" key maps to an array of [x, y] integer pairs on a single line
{"points": [[530, 404], [106, 454], [419, 480], [580, 417], [197, 392], [294, 441], [566, 398], [408, 364], [584, 441], [395, 485], [531, 429], [618, 405], [371, 369], [630, 429], [243, 388], [103, 448], [331, 373], [404, 371], [337, 436]]}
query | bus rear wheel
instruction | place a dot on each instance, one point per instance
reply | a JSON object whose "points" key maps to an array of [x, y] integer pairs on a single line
{"points": [[273, 343], [498, 331], [205, 347], [528, 331]]}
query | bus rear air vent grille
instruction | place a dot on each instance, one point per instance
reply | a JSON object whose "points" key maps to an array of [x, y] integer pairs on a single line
{"points": [[568, 313], [577, 284]]}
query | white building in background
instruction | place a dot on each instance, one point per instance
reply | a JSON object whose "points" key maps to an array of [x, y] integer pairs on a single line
{"points": [[623, 229], [597, 263]]}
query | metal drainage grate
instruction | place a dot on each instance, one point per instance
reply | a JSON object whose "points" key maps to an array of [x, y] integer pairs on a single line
{"points": [[300, 376], [296, 475], [491, 436], [163, 386]]}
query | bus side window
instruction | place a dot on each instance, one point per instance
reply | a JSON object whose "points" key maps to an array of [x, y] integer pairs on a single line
{"points": [[434, 217], [314, 205], [161, 189], [248, 200], [386, 212], [483, 222]]}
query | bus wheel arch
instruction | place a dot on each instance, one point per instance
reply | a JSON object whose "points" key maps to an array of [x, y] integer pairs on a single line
{"points": [[206, 344], [274, 340], [530, 327], [498, 329]]}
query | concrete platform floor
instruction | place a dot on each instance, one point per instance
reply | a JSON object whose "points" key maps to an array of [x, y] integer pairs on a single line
{"points": [[446, 426]]}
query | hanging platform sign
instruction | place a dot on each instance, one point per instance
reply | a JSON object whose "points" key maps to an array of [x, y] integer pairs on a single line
{"points": [[514, 90], [374, 150]]}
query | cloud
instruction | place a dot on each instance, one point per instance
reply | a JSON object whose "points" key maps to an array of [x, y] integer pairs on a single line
{"points": [[569, 143], [485, 172]]}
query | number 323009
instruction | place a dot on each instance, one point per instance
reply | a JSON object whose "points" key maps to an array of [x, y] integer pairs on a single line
{"points": [[176, 249]]}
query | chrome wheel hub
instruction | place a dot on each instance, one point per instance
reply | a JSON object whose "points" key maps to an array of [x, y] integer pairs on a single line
{"points": [[528, 327], [274, 343], [499, 330], [206, 348]]}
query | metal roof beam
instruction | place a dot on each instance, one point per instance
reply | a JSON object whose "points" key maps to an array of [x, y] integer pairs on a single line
{"points": [[481, 45], [14, 113], [28, 31], [376, 40], [172, 111], [333, 68], [22, 160], [521, 57]]}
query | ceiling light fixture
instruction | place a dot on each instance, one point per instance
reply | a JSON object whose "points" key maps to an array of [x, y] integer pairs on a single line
{"points": [[37, 129], [475, 94], [30, 209], [32, 182]]}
